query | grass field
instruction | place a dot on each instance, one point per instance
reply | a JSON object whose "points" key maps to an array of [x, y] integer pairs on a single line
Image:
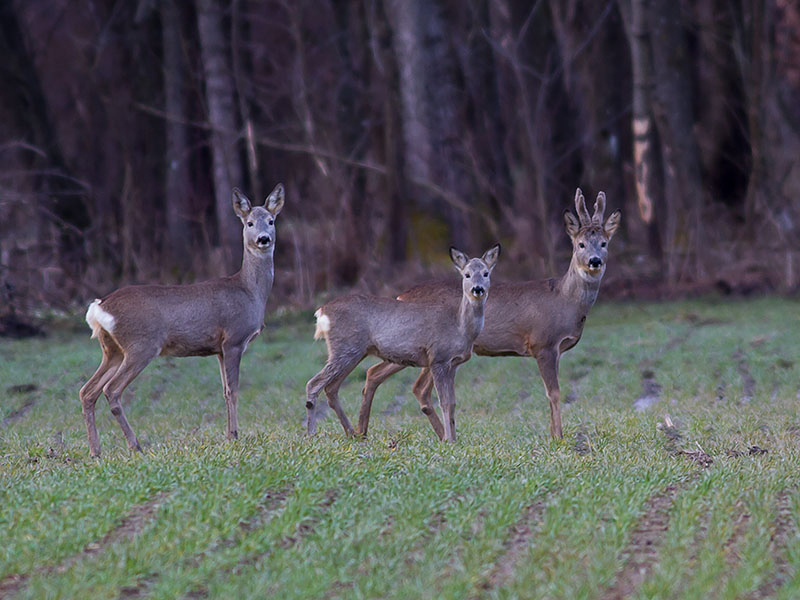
{"points": [[620, 508]]}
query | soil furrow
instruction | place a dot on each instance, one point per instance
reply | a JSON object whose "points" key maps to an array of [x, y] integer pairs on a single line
{"points": [[784, 528], [748, 382], [642, 549], [304, 529], [16, 415], [651, 391], [263, 514], [513, 549], [130, 527]]}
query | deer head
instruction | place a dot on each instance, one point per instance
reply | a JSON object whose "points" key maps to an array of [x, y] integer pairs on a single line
{"points": [[258, 221], [475, 272], [590, 236]]}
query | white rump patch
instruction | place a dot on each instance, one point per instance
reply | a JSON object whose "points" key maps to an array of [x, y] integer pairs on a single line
{"points": [[99, 319], [323, 325]]}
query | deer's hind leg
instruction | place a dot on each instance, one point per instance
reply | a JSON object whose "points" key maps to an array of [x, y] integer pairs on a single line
{"points": [[135, 360], [376, 375], [422, 390], [91, 390], [330, 378]]}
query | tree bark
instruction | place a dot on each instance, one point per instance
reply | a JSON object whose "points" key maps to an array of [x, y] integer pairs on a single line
{"points": [[671, 102], [219, 93], [647, 159], [432, 110], [22, 93], [176, 186]]}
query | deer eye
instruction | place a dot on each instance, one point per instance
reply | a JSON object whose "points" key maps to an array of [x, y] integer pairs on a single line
{"points": [[467, 275], [486, 274], [249, 223], [603, 245], [581, 244], [271, 221]]}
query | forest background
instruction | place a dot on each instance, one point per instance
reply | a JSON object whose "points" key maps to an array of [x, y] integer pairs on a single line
{"points": [[398, 127]]}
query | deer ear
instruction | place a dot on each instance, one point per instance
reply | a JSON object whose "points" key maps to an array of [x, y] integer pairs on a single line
{"points": [[612, 223], [459, 259], [491, 255], [274, 202], [241, 205], [571, 223]]}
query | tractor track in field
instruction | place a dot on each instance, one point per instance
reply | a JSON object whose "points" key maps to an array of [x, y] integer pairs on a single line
{"points": [[263, 514], [784, 528], [131, 526], [435, 524], [304, 530], [513, 549], [733, 545], [18, 414], [748, 381], [645, 542]]}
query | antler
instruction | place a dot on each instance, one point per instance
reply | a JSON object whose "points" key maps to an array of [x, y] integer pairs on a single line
{"points": [[580, 208], [599, 209]]}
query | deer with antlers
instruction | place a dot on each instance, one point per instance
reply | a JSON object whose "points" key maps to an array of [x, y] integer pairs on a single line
{"points": [[542, 319]]}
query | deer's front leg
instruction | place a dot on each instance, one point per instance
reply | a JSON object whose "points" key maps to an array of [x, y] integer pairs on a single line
{"points": [[548, 368], [376, 375], [422, 390], [229, 369], [443, 379]]}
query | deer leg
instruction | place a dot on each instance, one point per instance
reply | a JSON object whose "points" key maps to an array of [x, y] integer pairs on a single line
{"points": [[422, 390], [548, 368], [332, 371], [132, 365], [229, 361], [443, 379], [91, 391], [332, 392], [376, 375]]}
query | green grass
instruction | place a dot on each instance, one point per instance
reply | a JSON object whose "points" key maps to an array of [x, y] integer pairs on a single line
{"points": [[401, 515]]}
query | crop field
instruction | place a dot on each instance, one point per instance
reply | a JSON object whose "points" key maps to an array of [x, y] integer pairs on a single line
{"points": [[678, 475]]}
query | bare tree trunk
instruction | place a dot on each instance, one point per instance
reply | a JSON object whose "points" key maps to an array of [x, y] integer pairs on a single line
{"points": [[177, 194], [351, 113], [219, 89], [671, 101], [769, 56], [432, 111], [588, 35], [647, 160], [480, 68], [23, 94]]}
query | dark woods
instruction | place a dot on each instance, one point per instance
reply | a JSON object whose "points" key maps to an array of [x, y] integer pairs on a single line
{"points": [[398, 127]]}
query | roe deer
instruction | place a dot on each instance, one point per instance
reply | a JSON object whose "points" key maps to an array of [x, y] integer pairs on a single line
{"points": [[221, 316], [542, 319], [435, 334]]}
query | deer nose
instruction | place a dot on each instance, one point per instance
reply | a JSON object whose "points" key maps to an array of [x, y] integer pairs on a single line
{"points": [[595, 262], [263, 240], [478, 291]]}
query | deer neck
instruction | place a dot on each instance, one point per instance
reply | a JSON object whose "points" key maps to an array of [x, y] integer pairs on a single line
{"points": [[257, 274], [470, 317], [578, 287]]}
